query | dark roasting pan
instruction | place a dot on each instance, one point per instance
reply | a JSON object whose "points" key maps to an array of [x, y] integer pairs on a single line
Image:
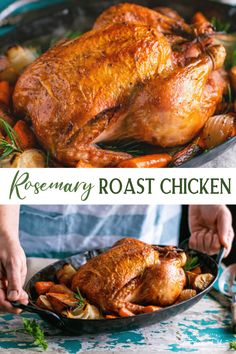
{"points": [[78, 326], [38, 27]]}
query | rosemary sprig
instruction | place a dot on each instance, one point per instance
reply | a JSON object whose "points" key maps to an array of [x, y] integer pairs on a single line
{"points": [[133, 148], [220, 26], [79, 297], [72, 34], [8, 147]]}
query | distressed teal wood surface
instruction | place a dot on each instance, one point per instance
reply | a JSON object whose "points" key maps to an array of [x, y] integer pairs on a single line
{"points": [[205, 328]]}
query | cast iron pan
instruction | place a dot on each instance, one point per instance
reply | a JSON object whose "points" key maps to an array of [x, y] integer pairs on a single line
{"points": [[40, 26], [78, 326]]}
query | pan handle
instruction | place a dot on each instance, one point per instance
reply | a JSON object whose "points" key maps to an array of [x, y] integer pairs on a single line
{"points": [[220, 255], [47, 315]]}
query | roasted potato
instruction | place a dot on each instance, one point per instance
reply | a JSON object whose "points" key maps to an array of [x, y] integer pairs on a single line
{"points": [[60, 302], [65, 274], [44, 303], [186, 294], [15, 60], [202, 281]]}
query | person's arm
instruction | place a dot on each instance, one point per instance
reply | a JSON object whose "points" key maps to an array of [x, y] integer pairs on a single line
{"points": [[12, 259], [210, 227]]}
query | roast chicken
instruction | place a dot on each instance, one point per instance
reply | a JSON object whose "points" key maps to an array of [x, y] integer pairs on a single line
{"points": [[131, 275], [139, 74]]}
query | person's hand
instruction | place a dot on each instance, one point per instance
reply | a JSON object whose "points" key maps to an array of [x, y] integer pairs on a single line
{"points": [[12, 274], [210, 227]]}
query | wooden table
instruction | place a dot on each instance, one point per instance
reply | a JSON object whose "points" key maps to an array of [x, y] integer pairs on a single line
{"points": [[205, 328]]}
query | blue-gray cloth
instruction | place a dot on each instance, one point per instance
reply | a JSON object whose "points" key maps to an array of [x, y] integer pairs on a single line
{"points": [[57, 231]]}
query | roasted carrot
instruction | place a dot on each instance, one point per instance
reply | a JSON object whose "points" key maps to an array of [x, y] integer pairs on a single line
{"points": [[83, 164], [60, 289], [42, 287], [25, 135], [147, 161], [151, 309], [199, 17], [110, 316], [5, 92], [191, 150], [124, 312]]}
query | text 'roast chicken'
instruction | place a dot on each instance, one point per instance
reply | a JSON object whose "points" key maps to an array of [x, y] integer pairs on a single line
{"points": [[130, 275], [139, 74]]}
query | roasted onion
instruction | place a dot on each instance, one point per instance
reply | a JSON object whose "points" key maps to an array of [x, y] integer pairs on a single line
{"points": [[87, 312], [218, 129], [33, 158]]}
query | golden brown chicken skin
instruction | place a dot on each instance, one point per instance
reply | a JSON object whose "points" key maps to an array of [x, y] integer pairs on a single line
{"points": [[73, 92], [122, 80], [162, 20], [130, 275]]}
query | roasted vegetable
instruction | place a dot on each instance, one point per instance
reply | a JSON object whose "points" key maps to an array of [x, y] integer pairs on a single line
{"points": [[60, 289], [43, 302], [88, 312], [16, 59], [147, 161], [197, 270], [202, 281], [82, 164], [60, 302], [42, 287], [6, 116], [25, 135], [191, 150], [218, 129], [65, 274], [191, 263], [190, 278], [124, 312], [32, 158], [151, 308], [186, 294], [232, 75], [5, 92]]}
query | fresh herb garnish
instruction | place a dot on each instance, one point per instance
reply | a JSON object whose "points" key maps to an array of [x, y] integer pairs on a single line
{"points": [[232, 345], [234, 57], [192, 262], [73, 34], [47, 160], [79, 297], [133, 148], [8, 147], [227, 100], [32, 328], [219, 25]]}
